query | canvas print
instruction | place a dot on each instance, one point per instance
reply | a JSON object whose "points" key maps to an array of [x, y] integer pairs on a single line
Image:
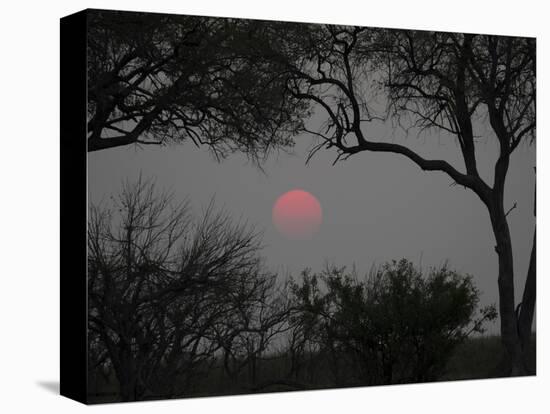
{"points": [[282, 206]]}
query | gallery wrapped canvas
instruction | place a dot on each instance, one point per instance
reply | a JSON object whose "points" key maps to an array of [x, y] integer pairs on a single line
{"points": [[262, 206]]}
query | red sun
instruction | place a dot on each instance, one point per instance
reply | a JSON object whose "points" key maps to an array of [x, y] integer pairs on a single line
{"points": [[297, 214]]}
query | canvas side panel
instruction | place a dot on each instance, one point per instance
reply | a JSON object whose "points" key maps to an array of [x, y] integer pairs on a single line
{"points": [[73, 370]]}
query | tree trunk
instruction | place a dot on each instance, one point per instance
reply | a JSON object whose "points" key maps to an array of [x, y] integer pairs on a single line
{"points": [[252, 368], [127, 375], [127, 391], [130, 387], [528, 300], [508, 318], [127, 384], [525, 318]]}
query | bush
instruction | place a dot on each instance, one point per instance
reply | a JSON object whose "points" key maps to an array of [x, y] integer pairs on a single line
{"points": [[396, 326]]}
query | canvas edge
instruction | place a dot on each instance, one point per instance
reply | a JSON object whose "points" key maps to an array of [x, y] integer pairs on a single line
{"points": [[73, 208]]}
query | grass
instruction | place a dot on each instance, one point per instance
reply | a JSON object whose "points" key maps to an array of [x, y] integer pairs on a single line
{"points": [[482, 357], [477, 358]]}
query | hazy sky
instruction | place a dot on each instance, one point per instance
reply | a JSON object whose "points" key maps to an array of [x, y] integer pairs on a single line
{"points": [[376, 207]]}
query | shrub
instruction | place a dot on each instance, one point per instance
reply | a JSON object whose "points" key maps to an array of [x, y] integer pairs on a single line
{"points": [[396, 326]]}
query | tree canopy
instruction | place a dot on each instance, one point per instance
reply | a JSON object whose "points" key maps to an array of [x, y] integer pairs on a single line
{"points": [[155, 79]]}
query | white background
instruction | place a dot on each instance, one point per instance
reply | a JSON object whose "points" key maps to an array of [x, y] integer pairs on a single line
{"points": [[29, 206]]}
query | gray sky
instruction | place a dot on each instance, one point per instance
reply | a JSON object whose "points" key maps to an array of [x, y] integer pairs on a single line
{"points": [[376, 207]]}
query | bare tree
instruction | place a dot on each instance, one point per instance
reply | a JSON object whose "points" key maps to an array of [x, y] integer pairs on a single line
{"points": [[303, 341], [260, 319], [161, 287]]}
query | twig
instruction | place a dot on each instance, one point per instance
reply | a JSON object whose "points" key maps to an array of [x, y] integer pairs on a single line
{"points": [[511, 208]]}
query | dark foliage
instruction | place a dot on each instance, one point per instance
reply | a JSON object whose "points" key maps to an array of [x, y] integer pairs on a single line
{"points": [[155, 79], [396, 326]]}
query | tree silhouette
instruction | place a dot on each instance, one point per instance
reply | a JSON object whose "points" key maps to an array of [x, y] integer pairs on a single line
{"points": [[260, 317], [163, 287], [440, 81], [155, 79], [241, 85]]}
